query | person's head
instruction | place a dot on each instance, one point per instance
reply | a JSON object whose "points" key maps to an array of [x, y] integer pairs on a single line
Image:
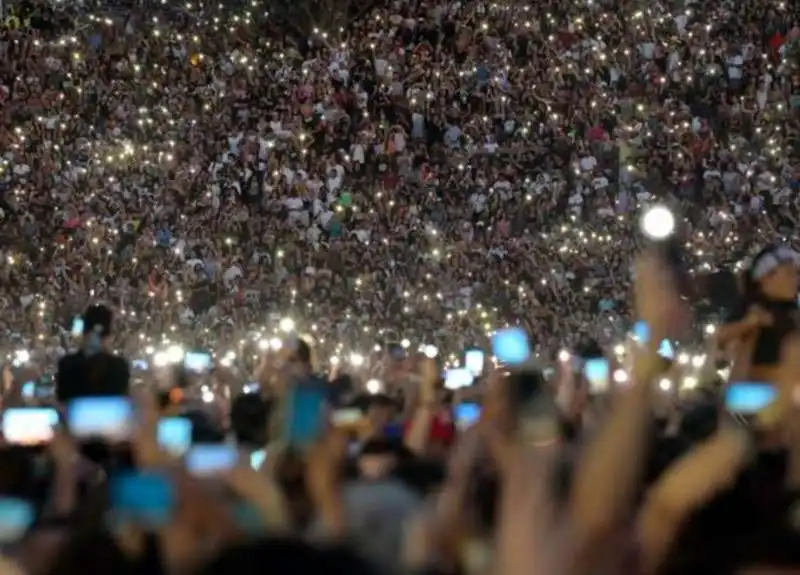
{"points": [[96, 327], [298, 357], [378, 458], [772, 275], [380, 411]]}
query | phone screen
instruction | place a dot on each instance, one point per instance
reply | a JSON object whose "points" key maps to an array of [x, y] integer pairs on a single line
{"points": [[458, 378], [257, 458], [467, 414], [29, 425], [749, 397], [16, 517], [305, 415], [140, 364], [28, 390], [211, 458], [77, 327], [510, 346], [109, 418], [596, 372], [641, 333], [347, 416], [473, 361], [141, 497], [175, 435], [197, 361]]}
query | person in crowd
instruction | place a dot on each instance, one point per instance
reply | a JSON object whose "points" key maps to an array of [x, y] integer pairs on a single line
{"points": [[93, 370]]}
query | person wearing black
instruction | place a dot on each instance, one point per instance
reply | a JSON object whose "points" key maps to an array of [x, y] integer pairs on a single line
{"points": [[765, 316], [93, 370]]}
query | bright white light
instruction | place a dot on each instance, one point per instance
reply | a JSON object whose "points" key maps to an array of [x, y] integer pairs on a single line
{"points": [[335, 360], [208, 396], [683, 358], [149, 350], [563, 355], [405, 344], [160, 359], [376, 347], [665, 384], [226, 361], [711, 329], [430, 351], [263, 344], [374, 386], [620, 376], [689, 382], [287, 324], [658, 222], [23, 356], [619, 349], [698, 360], [174, 354], [275, 343], [356, 359]]}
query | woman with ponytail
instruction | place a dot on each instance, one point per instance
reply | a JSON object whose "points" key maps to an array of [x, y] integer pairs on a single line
{"points": [[93, 370]]}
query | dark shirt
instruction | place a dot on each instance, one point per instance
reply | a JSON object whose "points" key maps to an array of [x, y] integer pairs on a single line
{"points": [[102, 374]]}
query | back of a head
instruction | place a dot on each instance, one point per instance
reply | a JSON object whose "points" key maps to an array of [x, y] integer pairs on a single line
{"points": [[93, 371], [286, 556]]}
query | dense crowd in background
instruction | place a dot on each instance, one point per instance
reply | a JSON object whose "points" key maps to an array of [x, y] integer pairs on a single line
{"points": [[443, 169]]}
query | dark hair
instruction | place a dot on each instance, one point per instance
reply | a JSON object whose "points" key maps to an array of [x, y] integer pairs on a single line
{"points": [[302, 351], [284, 556], [97, 316]]}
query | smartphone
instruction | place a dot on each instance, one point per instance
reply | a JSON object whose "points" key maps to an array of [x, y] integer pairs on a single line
{"points": [[140, 364], [458, 378], [197, 361], [16, 517], [305, 414], [211, 458], [347, 416], [29, 425], [534, 407], [473, 361], [108, 418], [141, 497], [641, 334], [510, 346], [749, 397], [77, 327], [175, 435], [467, 414], [596, 372], [28, 390], [257, 458]]}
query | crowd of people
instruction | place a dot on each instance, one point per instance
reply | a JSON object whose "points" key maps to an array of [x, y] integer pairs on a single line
{"points": [[257, 193], [440, 169]]}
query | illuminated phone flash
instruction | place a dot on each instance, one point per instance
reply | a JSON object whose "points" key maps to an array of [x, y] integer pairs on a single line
{"points": [[430, 351], [620, 376], [658, 223], [563, 355], [374, 386]]}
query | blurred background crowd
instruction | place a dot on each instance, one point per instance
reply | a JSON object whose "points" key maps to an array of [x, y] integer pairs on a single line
{"points": [[384, 171]]}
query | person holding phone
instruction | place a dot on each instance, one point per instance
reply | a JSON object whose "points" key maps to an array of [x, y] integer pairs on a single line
{"points": [[93, 370], [765, 316]]}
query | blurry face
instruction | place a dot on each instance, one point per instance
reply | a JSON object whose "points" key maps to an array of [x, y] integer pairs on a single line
{"points": [[781, 284], [379, 416]]}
